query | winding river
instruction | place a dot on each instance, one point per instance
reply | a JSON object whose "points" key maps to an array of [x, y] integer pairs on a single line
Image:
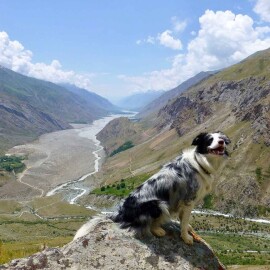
{"points": [[74, 189]]}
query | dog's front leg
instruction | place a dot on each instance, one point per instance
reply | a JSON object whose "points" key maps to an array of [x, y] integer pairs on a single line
{"points": [[185, 227]]}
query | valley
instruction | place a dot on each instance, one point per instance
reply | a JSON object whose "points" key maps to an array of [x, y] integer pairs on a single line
{"points": [[75, 173]]}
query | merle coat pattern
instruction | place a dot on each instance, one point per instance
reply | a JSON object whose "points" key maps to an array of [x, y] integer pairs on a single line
{"points": [[175, 189]]}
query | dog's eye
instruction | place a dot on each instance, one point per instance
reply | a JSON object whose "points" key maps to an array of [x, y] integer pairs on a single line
{"points": [[210, 140]]}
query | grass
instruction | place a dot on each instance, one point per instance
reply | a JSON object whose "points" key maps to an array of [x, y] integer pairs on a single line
{"points": [[12, 250], [233, 249], [235, 241], [22, 233], [20, 238], [124, 187]]}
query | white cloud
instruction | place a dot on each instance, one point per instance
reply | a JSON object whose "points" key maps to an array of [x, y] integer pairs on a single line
{"points": [[178, 26], [223, 39], [262, 8], [15, 57], [150, 40], [166, 39]]}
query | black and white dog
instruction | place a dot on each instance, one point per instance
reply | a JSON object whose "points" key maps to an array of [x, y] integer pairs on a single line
{"points": [[175, 189]]}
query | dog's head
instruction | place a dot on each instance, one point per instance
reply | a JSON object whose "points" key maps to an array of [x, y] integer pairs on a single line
{"points": [[212, 143]]}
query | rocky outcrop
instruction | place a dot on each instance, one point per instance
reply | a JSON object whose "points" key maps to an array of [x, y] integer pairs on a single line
{"points": [[106, 246], [246, 100]]}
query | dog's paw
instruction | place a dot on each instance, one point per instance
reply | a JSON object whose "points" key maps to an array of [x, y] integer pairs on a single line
{"points": [[188, 239], [190, 229], [158, 232]]}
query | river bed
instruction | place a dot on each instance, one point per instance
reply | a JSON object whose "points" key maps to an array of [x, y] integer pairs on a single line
{"points": [[59, 162]]}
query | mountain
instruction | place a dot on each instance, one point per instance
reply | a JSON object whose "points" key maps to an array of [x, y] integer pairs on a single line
{"points": [[235, 101], [137, 101], [154, 106], [30, 107], [240, 92], [101, 105]]}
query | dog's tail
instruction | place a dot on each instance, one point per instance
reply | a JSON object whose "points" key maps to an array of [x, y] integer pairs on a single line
{"points": [[136, 215]]}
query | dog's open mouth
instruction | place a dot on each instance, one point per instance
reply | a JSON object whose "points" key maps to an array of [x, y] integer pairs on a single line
{"points": [[217, 151]]}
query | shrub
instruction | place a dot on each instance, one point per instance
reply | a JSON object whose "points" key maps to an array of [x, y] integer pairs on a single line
{"points": [[122, 185], [123, 147]]}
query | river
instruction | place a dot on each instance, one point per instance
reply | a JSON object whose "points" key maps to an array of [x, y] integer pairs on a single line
{"points": [[74, 189]]}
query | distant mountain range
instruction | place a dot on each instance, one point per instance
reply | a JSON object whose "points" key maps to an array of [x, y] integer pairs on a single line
{"points": [[137, 101], [156, 104], [30, 107]]}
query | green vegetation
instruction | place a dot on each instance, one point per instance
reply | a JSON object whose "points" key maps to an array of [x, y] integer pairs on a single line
{"points": [[233, 249], [123, 147], [124, 187], [28, 228], [236, 241], [12, 163], [208, 201], [12, 250]]}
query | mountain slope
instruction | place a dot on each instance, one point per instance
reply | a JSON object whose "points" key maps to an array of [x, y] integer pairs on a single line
{"points": [[30, 107], [241, 91], [157, 104], [137, 101], [235, 101], [101, 105]]}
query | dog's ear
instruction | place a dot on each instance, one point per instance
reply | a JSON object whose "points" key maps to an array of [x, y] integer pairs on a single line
{"points": [[227, 140], [198, 139]]}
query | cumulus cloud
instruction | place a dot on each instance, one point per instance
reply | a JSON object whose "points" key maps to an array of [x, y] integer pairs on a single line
{"points": [[223, 39], [14, 56], [262, 8], [166, 39]]}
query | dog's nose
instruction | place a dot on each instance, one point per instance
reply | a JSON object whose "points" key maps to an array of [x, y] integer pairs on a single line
{"points": [[221, 142]]}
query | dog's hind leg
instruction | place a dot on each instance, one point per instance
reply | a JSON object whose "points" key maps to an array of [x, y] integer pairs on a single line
{"points": [[156, 227]]}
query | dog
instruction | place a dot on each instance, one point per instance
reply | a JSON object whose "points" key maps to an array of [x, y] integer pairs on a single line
{"points": [[175, 189]]}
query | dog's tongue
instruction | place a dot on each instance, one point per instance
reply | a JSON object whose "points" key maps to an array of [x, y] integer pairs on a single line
{"points": [[218, 151]]}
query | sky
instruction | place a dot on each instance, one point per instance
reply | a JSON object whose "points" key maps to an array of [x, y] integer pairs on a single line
{"points": [[117, 47]]}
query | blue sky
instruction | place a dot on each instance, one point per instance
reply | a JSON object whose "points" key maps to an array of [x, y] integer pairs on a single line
{"points": [[117, 47]]}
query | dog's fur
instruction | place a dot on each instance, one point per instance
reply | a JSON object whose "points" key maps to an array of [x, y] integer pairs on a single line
{"points": [[175, 189]]}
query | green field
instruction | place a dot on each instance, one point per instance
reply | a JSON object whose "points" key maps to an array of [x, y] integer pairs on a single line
{"points": [[26, 228]]}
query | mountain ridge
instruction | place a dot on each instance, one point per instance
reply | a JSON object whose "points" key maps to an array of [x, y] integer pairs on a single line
{"points": [[153, 107], [240, 108], [30, 107]]}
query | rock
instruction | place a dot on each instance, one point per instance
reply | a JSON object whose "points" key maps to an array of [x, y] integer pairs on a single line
{"points": [[106, 246]]}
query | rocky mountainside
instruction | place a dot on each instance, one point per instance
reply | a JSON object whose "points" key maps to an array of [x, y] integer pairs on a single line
{"points": [[153, 107], [30, 107], [235, 101], [117, 132], [105, 246], [245, 99]]}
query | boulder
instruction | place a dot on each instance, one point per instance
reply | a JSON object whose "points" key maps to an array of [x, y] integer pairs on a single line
{"points": [[101, 244]]}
